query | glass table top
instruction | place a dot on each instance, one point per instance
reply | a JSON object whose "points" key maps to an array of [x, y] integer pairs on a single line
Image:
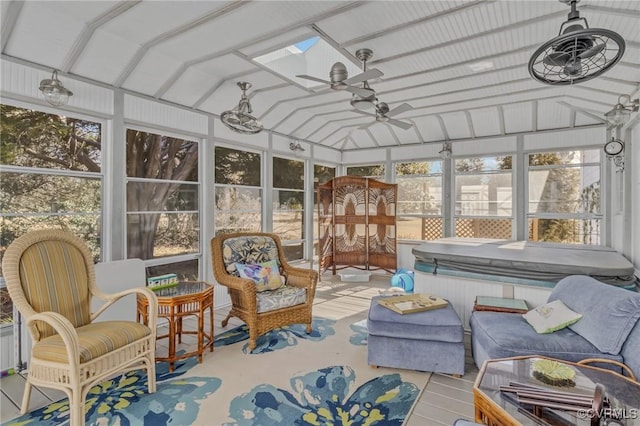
{"points": [[183, 288], [624, 395]]}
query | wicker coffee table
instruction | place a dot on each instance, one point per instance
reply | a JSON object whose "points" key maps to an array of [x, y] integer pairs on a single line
{"points": [[188, 298], [493, 407]]}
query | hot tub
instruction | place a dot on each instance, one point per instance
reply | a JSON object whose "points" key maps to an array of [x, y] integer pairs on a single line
{"points": [[523, 262]]}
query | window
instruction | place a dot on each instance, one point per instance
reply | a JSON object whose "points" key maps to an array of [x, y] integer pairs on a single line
{"points": [[321, 175], [564, 196], [373, 171], [419, 200], [484, 197], [50, 177], [163, 200], [288, 205], [238, 191]]}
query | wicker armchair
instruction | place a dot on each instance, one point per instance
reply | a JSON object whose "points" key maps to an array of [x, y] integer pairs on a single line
{"points": [[254, 248], [51, 280]]}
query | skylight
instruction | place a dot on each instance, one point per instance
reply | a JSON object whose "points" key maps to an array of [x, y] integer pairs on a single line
{"points": [[312, 56]]}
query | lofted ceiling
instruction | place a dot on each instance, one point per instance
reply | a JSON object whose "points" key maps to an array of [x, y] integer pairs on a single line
{"points": [[431, 53]]}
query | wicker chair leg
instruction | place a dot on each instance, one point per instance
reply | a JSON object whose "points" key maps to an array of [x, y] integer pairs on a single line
{"points": [[309, 328], [226, 320], [151, 374], [76, 408], [26, 396]]}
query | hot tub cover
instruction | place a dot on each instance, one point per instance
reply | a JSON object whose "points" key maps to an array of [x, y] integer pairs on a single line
{"points": [[526, 259]]}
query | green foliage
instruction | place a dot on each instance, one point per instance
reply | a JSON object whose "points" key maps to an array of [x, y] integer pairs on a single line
{"points": [[234, 167], [376, 171]]}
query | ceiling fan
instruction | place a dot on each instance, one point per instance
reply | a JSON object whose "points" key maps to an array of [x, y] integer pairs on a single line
{"points": [[577, 54], [340, 79], [383, 115]]}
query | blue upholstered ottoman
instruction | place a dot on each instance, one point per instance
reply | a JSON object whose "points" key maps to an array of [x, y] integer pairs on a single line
{"points": [[424, 341]]}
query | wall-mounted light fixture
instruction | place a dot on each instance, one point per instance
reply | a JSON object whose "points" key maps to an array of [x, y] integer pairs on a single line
{"points": [[445, 152], [54, 91], [296, 147], [621, 112]]}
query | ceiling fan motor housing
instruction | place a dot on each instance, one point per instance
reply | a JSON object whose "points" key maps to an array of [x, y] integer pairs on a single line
{"points": [[338, 75]]}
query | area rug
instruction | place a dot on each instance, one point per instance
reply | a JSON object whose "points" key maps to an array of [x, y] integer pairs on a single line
{"points": [[291, 378]]}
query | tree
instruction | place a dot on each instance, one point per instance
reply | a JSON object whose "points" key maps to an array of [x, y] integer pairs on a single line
{"points": [[44, 141], [158, 157], [41, 197]]}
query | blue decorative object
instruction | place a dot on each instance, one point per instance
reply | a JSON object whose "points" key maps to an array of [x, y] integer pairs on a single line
{"points": [[403, 278]]}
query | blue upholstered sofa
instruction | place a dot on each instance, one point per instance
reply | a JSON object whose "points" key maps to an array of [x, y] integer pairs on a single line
{"points": [[609, 327]]}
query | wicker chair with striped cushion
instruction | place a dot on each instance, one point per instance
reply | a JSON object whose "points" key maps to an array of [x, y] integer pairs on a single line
{"points": [[262, 309], [51, 280]]}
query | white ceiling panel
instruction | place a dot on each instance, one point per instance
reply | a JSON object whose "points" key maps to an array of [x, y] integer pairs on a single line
{"points": [[226, 65], [146, 21], [61, 31], [191, 86], [151, 73], [552, 115], [379, 16], [456, 125], [243, 26], [104, 57], [452, 61], [486, 121], [363, 139], [518, 117], [430, 129]]}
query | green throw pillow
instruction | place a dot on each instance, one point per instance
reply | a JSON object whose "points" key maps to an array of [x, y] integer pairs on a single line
{"points": [[551, 317]]}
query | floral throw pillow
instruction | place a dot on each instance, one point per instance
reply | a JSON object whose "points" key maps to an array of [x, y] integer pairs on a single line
{"points": [[266, 275], [551, 317]]}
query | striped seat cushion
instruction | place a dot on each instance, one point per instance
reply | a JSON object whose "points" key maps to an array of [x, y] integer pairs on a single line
{"points": [[95, 340]]}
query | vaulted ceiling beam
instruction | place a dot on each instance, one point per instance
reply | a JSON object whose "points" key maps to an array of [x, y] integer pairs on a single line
{"points": [[9, 21], [83, 39], [238, 47], [515, 25], [415, 22]]}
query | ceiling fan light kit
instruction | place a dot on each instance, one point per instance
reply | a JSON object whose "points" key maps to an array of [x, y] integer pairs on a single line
{"points": [[577, 54], [239, 119]]}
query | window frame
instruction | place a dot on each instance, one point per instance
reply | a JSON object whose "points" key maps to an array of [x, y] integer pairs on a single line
{"points": [[442, 200], [178, 258], [602, 216]]}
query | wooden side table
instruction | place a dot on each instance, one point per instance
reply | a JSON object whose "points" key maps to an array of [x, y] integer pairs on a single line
{"points": [[188, 298]]}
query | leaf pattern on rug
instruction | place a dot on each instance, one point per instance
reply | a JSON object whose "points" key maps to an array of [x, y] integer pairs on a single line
{"points": [[360, 333], [124, 401], [323, 397], [279, 338]]}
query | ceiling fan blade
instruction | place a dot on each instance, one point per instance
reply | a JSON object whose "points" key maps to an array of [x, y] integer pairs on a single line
{"points": [[308, 77], [591, 52], [399, 110], [364, 126], [556, 59], [360, 91], [400, 124], [369, 74], [363, 113]]}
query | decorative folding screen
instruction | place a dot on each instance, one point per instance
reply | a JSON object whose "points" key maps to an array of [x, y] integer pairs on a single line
{"points": [[357, 224]]}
